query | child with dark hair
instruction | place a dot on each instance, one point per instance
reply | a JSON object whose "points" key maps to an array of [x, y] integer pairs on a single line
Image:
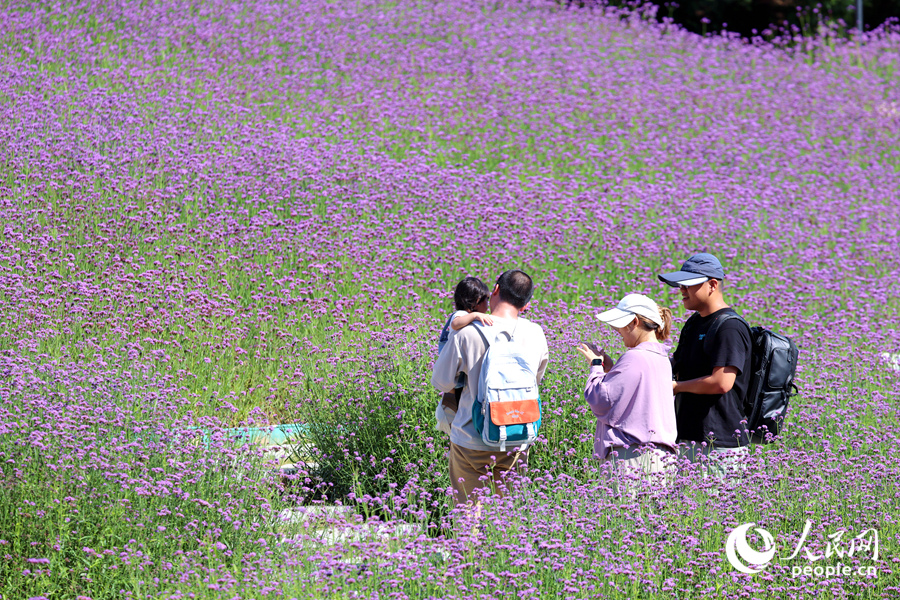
{"points": [[470, 298]]}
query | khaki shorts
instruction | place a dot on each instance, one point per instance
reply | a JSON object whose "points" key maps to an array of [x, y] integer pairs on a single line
{"points": [[467, 467]]}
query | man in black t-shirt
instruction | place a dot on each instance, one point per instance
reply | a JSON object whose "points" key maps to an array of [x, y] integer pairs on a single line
{"points": [[711, 378]]}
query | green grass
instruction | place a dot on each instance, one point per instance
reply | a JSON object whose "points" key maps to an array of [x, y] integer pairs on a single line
{"points": [[320, 364]]}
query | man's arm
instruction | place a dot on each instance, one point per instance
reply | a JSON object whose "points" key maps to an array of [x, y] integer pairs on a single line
{"points": [[447, 366], [720, 382], [542, 367], [730, 353], [545, 356]]}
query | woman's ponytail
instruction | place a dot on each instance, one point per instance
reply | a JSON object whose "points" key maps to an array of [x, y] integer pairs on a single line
{"points": [[662, 333]]}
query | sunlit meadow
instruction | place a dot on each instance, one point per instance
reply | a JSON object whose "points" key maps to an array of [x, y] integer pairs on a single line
{"points": [[221, 214]]}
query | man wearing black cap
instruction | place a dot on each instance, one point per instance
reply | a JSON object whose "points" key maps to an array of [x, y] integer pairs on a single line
{"points": [[711, 377]]}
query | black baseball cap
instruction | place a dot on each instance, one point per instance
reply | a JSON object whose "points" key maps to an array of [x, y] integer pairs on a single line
{"points": [[697, 269]]}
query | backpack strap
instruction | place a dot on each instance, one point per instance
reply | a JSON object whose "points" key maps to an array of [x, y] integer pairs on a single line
{"points": [[511, 334], [487, 344], [714, 329]]}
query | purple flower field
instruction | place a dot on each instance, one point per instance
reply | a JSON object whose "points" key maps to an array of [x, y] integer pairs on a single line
{"points": [[219, 214]]}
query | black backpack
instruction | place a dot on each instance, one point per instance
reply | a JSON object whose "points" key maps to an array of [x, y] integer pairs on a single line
{"points": [[774, 364]]}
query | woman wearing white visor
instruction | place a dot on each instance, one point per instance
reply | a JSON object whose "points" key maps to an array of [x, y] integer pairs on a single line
{"points": [[632, 399]]}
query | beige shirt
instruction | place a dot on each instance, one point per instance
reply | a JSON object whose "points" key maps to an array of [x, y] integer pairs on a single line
{"points": [[464, 353]]}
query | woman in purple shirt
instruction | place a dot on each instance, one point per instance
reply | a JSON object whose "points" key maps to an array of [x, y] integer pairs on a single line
{"points": [[632, 399]]}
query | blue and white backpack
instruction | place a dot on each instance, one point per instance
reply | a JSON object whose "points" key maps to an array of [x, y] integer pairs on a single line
{"points": [[507, 408]]}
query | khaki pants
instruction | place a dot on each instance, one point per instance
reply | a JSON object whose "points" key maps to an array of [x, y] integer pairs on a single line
{"points": [[468, 467]]}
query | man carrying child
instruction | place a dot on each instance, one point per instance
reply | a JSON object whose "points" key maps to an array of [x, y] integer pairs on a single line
{"points": [[473, 464]]}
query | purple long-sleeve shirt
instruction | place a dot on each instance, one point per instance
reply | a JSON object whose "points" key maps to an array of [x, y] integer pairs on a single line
{"points": [[633, 403]]}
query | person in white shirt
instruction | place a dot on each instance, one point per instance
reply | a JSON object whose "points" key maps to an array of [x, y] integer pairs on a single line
{"points": [[470, 459]]}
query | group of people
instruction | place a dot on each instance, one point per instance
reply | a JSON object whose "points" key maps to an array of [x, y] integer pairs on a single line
{"points": [[649, 407]]}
